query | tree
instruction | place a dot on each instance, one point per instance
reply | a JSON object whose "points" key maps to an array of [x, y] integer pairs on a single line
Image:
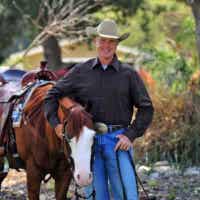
{"points": [[56, 19], [45, 22], [10, 27], [195, 6], [68, 18]]}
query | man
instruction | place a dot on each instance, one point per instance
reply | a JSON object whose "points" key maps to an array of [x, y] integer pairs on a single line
{"points": [[110, 90]]}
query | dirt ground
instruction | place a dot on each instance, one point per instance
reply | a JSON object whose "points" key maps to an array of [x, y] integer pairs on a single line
{"points": [[163, 187]]}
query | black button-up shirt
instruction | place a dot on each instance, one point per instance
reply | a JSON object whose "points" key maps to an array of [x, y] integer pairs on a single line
{"points": [[110, 95]]}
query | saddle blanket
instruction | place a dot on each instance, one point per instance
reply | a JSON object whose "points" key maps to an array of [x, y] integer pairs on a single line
{"points": [[22, 101]]}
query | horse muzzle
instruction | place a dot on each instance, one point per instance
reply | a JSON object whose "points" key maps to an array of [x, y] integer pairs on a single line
{"points": [[83, 178]]}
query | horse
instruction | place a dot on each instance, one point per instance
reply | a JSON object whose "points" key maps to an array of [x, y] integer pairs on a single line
{"points": [[44, 153]]}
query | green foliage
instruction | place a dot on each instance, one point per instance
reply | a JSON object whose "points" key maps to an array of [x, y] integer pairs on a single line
{"points": [[187, 34], [27, 19], [170, 69], [119, 10], [165, 30], [7, 19], [172, 194], [170, 38], [128, 7], [153, 183], [15, 30]]}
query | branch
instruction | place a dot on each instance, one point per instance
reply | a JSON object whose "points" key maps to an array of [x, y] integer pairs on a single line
{"points": [[62, 19]]}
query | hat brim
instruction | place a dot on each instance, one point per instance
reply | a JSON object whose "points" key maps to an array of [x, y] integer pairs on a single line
{"points": [[92, 32]]}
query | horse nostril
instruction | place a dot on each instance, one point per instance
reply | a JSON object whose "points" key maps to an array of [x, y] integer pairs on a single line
{"points": [[78, 176], [90, 175]]}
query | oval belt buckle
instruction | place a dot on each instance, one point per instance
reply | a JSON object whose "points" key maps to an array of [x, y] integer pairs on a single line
{"points": [[100, 127]]}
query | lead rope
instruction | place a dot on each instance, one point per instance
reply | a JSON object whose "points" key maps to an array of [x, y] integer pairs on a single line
{"points": [[136, 175], [120, 175]]}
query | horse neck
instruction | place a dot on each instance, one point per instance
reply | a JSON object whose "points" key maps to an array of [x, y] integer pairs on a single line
{"points": [[34, 115], [47, 133]]}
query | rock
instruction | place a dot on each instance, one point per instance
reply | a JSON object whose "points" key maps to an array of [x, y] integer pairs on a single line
{"points": [[166, 171], [161, 163], [162, 169], [192, 171], [42, 197], [143, 169], [158, 185], [197, 190], [154, 175]]}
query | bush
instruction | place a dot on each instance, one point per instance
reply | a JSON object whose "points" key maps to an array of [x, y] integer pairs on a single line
{"points": [[174, 133], [170, 69]]}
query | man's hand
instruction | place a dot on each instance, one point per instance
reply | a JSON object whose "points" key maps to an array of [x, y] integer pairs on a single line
{"points": [[123, 144], [58, 130]]}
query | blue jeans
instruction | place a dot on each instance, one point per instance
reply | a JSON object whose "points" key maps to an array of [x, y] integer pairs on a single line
{"points": [[105, 169]]}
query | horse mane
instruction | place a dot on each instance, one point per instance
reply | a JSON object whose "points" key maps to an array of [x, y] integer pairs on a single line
{"points": [[77, 118], [35, 103]]}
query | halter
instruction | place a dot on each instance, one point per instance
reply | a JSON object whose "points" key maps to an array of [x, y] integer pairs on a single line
{"points": [[64, 133], [78, 195], [67, 139]]}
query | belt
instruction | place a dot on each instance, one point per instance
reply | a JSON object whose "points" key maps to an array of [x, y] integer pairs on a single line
{"points": [[102, 128]]}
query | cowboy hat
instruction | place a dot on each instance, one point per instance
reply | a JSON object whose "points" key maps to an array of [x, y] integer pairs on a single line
{"points": [[108, 29]]}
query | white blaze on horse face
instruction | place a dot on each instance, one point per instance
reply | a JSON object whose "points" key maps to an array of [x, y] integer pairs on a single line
{"points": [[81, 154]]}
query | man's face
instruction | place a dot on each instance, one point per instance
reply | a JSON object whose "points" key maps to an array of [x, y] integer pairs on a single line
{"points": [[106, 47]]}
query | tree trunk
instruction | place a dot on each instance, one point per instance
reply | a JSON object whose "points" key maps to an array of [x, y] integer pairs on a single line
{"points": [[195, 5], [52, 53]]}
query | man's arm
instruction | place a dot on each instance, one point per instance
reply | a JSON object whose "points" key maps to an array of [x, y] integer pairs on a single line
{"points": [[143, 103], [64, 87]]}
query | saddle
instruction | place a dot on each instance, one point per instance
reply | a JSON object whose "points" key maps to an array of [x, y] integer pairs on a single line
{"points": [[11, 94], [7, 92]]}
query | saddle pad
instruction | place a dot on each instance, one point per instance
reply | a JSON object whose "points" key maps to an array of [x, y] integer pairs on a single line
{"points": [[22, 101]]}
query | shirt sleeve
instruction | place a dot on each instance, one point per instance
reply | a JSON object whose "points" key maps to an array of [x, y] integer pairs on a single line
{"points": [[141, 100], [64, 87]]}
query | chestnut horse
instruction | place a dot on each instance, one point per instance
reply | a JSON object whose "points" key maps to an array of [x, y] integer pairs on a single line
{"points": [[44, 153]]}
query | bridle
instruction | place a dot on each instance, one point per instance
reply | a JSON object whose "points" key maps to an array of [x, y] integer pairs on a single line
{"points": [[78, 195], [67, 151], [66, 137]]}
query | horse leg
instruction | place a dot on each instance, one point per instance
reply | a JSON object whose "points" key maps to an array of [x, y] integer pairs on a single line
{"points": [[62, 178], [34, 179], [3, 173]]}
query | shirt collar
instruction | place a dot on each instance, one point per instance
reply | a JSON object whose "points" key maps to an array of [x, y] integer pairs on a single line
{"points": [[115, 63]]}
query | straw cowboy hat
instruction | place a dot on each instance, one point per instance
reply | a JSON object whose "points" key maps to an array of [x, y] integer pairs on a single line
{"points": [[108, 29]]}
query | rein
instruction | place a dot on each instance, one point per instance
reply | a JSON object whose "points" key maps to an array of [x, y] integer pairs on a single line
{"points": [[67, 139], [136, 175]]}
